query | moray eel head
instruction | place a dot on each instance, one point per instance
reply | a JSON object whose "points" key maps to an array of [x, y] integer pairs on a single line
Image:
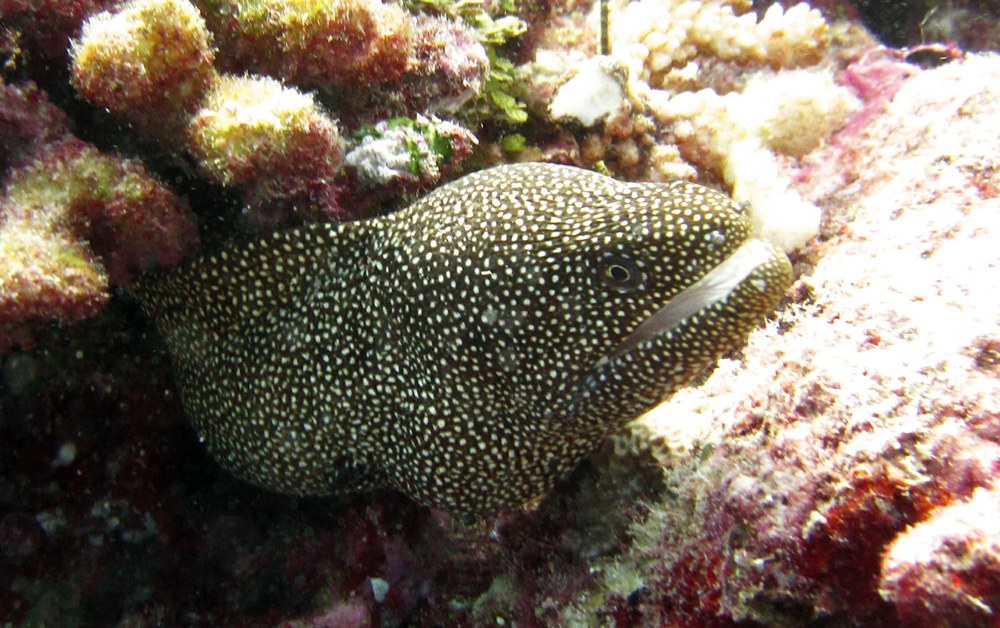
{"points": [[470, 349]]}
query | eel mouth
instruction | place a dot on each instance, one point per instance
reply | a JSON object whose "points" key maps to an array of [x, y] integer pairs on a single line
{"points": [[714, 286]]}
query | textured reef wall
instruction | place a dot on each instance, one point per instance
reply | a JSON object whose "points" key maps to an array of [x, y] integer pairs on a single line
{"points": [[838, 470]]}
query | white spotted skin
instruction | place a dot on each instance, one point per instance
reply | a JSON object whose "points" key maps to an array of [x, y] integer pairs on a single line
{"points": [[449, 350]]}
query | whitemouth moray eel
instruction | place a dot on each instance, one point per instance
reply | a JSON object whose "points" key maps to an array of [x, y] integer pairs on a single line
{"points": [[469, 349]]}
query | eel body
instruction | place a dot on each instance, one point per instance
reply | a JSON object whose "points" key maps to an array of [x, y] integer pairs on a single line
{"points": [[469, 349]]}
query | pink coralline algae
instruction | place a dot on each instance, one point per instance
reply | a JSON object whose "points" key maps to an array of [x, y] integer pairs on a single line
{"points": [[852, 474]]}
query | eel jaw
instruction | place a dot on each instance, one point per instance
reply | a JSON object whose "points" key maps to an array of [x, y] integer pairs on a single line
{"points": [[714, 286]]}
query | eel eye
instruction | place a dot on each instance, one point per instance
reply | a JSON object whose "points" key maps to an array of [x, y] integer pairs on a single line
{"points": [[619, 273]]}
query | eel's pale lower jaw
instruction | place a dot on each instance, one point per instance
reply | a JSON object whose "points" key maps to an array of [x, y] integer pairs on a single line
{"points": [[715, 286]]}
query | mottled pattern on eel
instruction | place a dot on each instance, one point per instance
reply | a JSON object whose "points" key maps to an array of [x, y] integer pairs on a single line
{"points": [[467, 350]]}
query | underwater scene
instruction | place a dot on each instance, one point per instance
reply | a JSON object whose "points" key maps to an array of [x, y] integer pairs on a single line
{"points": [[323, 313]]}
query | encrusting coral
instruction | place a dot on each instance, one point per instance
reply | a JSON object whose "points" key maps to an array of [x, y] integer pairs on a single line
{"points": [[350, 44], [947, 565], [273, 142], [366, 57]]}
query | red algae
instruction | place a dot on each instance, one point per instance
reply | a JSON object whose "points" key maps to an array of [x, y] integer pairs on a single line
{"points": [[948, 565], [74, 221]]}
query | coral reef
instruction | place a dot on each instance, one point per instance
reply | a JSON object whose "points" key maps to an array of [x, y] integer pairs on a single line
{"points": [[151, 61], [840, 469]]}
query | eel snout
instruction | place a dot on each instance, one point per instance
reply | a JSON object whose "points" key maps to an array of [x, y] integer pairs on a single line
{"points": [[757, 265]]}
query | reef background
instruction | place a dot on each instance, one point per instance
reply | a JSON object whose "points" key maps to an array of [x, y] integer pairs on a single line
{"points": [[839, 470]]}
